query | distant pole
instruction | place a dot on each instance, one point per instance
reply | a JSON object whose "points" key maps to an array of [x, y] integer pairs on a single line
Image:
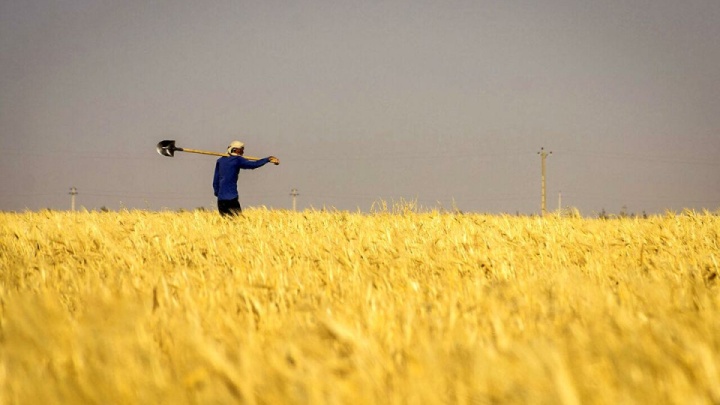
{"points": [[559, 201], [543, 156], [73, 193], [294, 194]]}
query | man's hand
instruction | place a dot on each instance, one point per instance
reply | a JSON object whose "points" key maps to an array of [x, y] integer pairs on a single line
{"points": [[274, 160]]}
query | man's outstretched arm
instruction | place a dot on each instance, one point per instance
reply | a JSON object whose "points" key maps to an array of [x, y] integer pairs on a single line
{"points": [[254, 164]]}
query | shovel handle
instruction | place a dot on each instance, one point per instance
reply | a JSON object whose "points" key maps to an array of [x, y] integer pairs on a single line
{"points": [[202, 152]]}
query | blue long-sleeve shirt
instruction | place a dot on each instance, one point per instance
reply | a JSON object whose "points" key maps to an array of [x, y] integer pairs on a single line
{"points": [[227, 169]]}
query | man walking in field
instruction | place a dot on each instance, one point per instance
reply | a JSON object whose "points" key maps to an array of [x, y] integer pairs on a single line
{"points": [[225, 179]]}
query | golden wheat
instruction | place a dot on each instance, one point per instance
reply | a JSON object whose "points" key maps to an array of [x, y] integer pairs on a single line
{"points": [[336, 307]]}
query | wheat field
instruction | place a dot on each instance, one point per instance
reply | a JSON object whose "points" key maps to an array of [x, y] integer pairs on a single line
{"points": [[328, 307]]}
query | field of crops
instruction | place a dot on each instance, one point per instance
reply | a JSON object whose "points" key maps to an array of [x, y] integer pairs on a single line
{"points": [[334, 307]]}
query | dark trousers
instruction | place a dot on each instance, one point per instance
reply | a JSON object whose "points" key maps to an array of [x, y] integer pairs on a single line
{"points": [[229, 207]]}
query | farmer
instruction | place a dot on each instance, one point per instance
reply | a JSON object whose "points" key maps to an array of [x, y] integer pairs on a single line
{"points": [[225, 179]]}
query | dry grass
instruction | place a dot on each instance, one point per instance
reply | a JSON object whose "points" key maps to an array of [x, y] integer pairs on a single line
{"points": [[337, 307]]}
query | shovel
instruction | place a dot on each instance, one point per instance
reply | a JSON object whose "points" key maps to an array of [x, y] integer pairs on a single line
{"points": [[168, 148]]}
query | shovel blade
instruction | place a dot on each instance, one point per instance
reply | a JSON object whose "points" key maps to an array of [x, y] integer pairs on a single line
{"points": [[166, 148]]}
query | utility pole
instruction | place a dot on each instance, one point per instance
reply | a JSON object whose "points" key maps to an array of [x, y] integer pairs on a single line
{"points": [[559, 201], [73, 193], [543, 156], [294, 194]]}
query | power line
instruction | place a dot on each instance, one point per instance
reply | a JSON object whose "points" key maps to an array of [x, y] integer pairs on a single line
{"points": [[643, 157], [395, 156]]}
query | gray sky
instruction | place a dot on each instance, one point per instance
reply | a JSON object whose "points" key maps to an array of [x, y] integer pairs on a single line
{"points": [[443, 102]]}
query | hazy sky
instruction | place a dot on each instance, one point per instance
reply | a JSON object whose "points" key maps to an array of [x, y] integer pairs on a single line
{"points": [[443, 102]]}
